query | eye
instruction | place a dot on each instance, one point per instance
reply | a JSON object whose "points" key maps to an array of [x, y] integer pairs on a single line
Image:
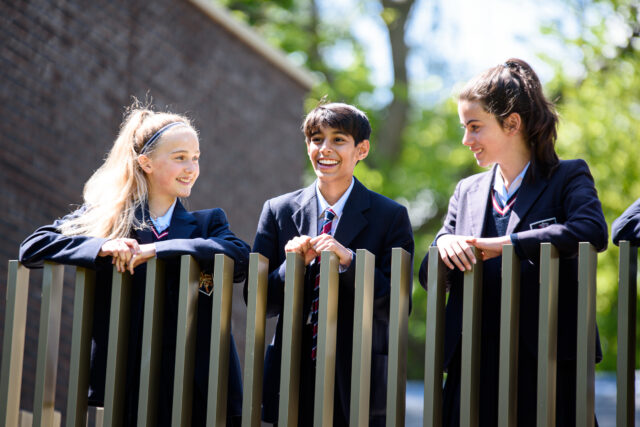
{"points": [[196, 158], [316, 139], [474, 128], [180, 157]]}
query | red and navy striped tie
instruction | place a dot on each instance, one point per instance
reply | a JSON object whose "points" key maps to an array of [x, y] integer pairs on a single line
{"points": [[329, 215]]}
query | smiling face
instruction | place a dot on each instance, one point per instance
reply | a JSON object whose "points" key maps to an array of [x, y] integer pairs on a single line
{"points": [[172, 168], [485, 137], [334, 154]]}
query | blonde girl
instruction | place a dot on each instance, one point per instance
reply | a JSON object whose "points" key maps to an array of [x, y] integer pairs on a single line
{"points": [[132, 213]]}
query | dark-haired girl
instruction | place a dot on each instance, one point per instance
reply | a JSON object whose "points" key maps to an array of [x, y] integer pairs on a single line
{"points": [[528, 197]]}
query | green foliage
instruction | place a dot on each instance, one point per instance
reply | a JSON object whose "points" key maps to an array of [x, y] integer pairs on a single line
{"points": [[600, 116], [600, 113]]}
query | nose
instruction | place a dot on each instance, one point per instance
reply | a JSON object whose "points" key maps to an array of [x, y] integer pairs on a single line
{"points": [[325, 147], [466, 138]]}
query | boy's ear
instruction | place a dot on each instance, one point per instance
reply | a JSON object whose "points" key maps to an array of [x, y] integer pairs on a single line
{"points": [[363, 149], [512, 124], [145, 163]]}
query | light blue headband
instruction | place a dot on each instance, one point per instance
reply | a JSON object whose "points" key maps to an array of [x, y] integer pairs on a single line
{"points": [[157, 135]]}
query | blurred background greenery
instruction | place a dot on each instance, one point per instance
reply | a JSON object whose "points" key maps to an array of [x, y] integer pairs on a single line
{"points": [[592, 72]]}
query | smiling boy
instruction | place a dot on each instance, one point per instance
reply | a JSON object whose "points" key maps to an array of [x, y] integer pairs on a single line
{"points": [[339, 214]]}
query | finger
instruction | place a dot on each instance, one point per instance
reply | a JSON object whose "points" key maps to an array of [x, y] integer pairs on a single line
{"points": [[454, 258], [445, 258], [462, 255], [132, 264]]}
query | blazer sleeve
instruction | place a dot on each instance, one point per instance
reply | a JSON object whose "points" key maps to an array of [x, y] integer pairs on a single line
{"points": [[267, 243], [217, 239], [48, 244], [584, 218], [449, 227], [627, 226]]}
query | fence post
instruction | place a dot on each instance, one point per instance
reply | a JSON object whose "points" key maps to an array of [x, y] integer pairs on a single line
{"points": [[186, 341], [48, 344], [254, 342], [586, 340], [80, 347], [509, 336], [362, 324], [471, 329], [627, 293], [291, 339], [220, 340], [326, 350], [434, 340], [119, 324], [152, 328], [398, 336], [15, 322], [547, 335]]}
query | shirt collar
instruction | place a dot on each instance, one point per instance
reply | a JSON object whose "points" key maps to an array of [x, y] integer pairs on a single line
{"points": [[338, 207], [161, 223], [501, 191]]}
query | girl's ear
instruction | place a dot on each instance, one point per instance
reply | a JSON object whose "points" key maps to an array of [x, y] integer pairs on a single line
{"points": [[512, 124], [145, 163]]}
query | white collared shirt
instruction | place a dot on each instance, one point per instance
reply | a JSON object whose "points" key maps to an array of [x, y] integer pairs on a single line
{"points": [[502, 194], [337, 208], [161, 223]]}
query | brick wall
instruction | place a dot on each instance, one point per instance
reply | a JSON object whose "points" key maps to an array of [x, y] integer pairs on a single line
{"points": [[67, 68]]}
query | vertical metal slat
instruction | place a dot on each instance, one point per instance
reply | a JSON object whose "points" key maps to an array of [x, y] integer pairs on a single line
{"points": [[15, 322], [434, 340], [80, 347], [151, 343], [326, 350], [471, 328], [291, 340], [586, 340], [48, 344], [220, 340], [254, 341], [509, 336], [119, 324], [362, 324], [547, 335], [627, 294], [398, 336]]}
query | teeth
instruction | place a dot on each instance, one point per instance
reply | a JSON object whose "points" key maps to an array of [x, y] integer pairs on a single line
{"points": [[328, 162]]}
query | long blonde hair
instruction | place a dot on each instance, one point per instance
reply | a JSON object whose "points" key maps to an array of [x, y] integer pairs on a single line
{"points": [[119, 187]]}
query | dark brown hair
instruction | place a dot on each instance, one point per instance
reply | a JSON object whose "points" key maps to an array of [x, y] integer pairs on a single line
{"points": [[513, 87], [335, 115]]}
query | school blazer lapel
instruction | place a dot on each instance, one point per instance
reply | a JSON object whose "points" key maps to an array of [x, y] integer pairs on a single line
{"points": [[353, 219], [527, 196], [183, 224], [306, 215], [476, 207]]}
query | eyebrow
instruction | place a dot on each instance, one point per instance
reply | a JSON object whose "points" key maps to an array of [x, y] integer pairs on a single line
{"points": [[183, 151], [470, 120]]}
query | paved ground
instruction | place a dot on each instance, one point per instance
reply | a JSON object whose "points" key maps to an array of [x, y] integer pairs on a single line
{"points": [[605, 401]]}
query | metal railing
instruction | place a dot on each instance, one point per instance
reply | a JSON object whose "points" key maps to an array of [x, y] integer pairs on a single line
{"points": [[76, 411], [43, 410]]}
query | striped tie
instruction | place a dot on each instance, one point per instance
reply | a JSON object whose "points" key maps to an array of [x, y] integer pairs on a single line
{"points": [[329, 215]]}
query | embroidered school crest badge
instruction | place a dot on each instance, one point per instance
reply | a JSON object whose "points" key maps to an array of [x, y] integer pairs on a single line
{"points": [[543, 223], [206, 283]]}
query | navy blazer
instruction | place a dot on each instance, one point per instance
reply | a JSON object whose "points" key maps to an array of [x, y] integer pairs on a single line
{"points": [[201, 234], [627, 226], [369, 221], [562, 209]]}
